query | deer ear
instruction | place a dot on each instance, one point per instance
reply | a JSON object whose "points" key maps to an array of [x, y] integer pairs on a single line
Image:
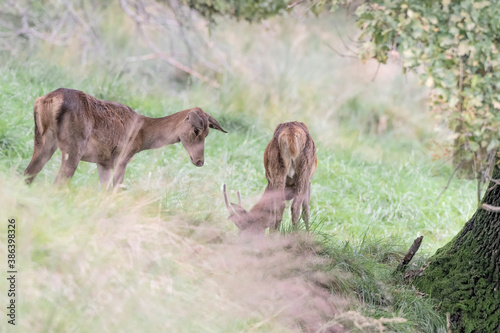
{"points": [[238, 209], [212, 123], [241, 218], [195, 119]]}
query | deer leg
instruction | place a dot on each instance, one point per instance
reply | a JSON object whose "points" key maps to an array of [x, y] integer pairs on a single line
{"points": [[279, 210], [42, 152], [277, 198], [305, 207], [72, 138], [276, 178], [119, 174], [120, 166], [104, 175], [297, 202], [72, 149], [69, 163], [302, 192]]}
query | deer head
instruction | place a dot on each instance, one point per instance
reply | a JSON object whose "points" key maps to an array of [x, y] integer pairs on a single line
{"points": [[193, 131], [252, 222]]}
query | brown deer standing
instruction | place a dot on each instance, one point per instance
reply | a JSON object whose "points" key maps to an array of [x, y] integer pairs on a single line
{"points": [[290, 162], [109, 134]]}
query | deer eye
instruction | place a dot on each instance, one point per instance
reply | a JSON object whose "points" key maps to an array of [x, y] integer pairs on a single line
{"points": [[196, 131]]}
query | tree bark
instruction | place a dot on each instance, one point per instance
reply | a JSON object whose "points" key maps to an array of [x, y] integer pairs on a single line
{"points": [[464, 275]]}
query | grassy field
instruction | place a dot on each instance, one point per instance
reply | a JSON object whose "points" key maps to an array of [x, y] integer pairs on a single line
{"points": [[161, 254]]}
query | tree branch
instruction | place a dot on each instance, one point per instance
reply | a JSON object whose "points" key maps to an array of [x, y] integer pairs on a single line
{"points": [[490, 208], [291, 5], [449, 181], [340, 54], [409, 255], [174, 62]]}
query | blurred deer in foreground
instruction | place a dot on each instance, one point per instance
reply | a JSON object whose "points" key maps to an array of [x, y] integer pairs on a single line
{"points": [[290, 161], [109, 134]]}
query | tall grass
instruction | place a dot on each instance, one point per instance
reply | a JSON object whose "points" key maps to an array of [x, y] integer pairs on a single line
{"points": [[161, 255]]}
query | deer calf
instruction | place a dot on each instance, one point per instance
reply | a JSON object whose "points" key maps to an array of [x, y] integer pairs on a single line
{"points": [[290, 162], [109, 134]]}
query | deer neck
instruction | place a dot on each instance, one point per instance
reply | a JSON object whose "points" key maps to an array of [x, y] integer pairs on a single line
{"points": [[263, 209], [159, 132]]}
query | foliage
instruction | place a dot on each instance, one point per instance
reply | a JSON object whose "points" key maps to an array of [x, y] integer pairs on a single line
{"points": [[454, 47], [249, 10]]}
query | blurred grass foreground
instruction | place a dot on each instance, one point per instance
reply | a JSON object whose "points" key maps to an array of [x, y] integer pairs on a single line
{"points": [[161, 256]]}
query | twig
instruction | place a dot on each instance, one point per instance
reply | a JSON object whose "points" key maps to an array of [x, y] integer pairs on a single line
{"points": [[460, 85], [479, 185], [449, 181], [340, 54], [485, 174], [308, 9], [181, 20], [411, 252], [176, 63], [376, 72], [354, 41], [290, 6], [495, 181], [490, 208], [162, 55], [342, 40]]}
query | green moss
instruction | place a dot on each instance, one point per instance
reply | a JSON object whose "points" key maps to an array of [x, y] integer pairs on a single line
{"points": [[464, 274]]}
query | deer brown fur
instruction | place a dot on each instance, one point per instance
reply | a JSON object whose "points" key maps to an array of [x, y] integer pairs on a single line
{"points": [[290, 162], [109, 134]]}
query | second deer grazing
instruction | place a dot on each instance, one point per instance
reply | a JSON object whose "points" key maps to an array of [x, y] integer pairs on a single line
{"points": [[109, 134], [290, 162]]}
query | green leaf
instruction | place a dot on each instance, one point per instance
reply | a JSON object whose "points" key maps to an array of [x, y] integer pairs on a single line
{"points": [[474, 146], [493, 144], [463, 48]]}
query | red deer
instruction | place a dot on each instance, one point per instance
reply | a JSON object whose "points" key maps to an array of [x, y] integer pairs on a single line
{"points": [[109, 134], [290, 162]]}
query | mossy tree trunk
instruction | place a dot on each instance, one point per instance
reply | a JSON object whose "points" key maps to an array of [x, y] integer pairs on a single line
{"points": [[464, 275]]}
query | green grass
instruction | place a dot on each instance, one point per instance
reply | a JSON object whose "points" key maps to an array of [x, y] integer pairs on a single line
{"points": [[143, 259]]}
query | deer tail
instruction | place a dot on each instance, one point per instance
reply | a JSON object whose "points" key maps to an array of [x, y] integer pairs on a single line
{"points": [[46, 111], [39, 125], [290, 144]]}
